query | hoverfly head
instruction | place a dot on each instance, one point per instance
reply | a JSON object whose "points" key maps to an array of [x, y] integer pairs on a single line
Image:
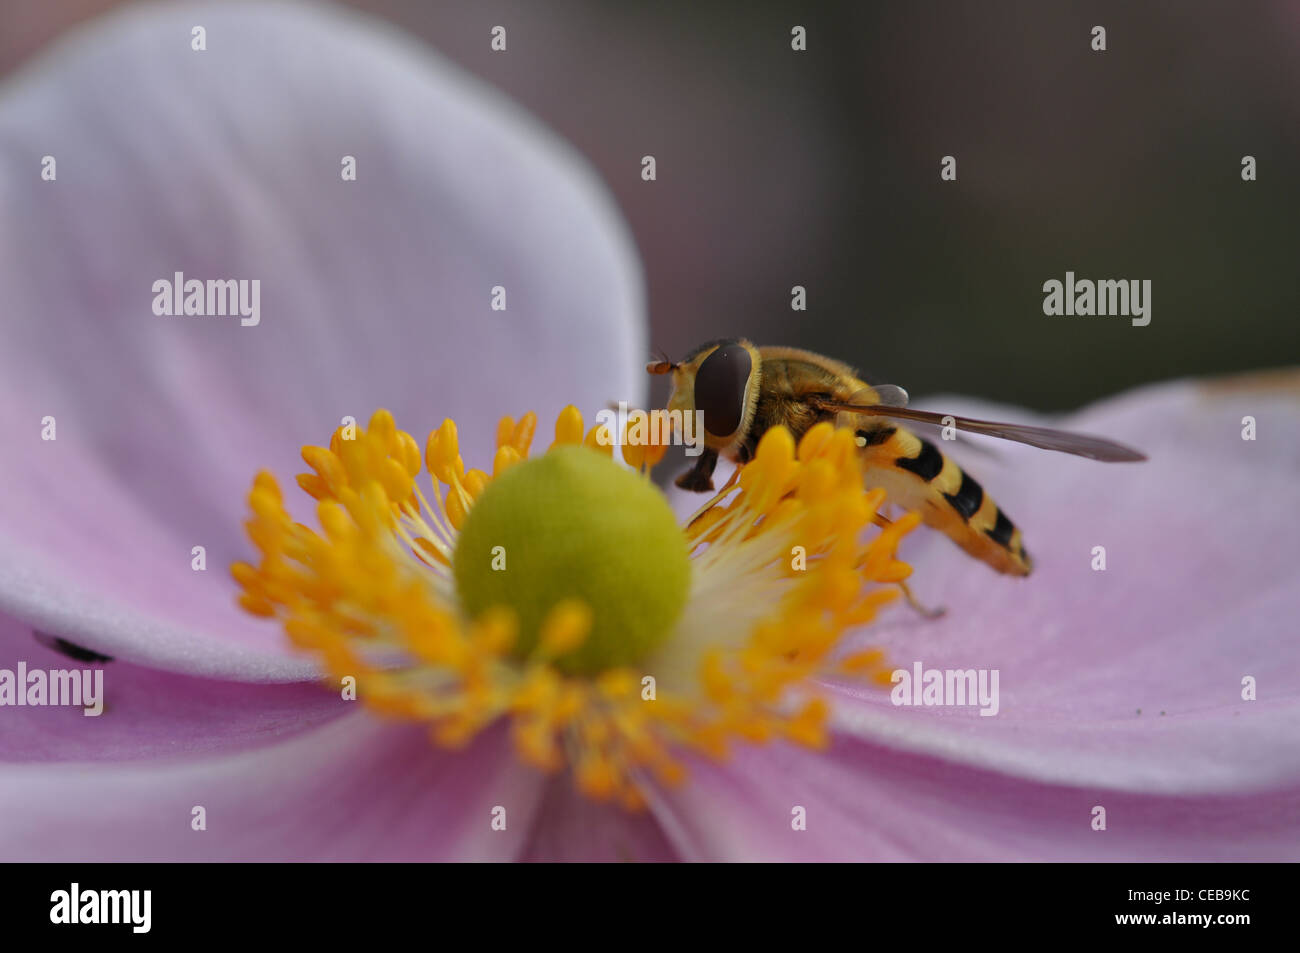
{"points": [[720, 380]]}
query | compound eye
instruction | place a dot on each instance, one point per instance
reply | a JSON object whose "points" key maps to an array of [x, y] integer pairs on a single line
{"points": [[720, 386]]}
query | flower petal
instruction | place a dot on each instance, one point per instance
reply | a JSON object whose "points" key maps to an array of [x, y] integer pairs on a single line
{"points": [[149, 713], [865, 802], [571, 828], [226, 163], [356, 789], [1129, 678]]}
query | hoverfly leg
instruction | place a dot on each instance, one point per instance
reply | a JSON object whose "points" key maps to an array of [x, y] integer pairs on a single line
{"points": [[699, 478], [717, 497], [926, 613]]}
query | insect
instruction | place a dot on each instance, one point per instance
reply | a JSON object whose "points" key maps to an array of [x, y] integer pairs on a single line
{"points": [[743, 390]]}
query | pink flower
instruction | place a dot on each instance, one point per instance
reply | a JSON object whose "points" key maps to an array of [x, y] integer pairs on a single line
{"points": [[225, 163], [1120, 688]]}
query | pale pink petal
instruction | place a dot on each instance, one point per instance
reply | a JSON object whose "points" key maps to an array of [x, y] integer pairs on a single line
{"points": [[571, 827], [356, 789], [149, 713], [226, 164], [865, 802]]}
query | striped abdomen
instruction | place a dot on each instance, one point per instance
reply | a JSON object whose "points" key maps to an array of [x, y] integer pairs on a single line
{"points": [[917, 476]]}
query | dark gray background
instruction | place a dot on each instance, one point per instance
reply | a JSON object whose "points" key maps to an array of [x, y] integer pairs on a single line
{"points": [[821, 168]]}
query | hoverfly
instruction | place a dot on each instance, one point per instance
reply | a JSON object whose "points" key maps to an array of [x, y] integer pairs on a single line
{"points": [[743, 390]]}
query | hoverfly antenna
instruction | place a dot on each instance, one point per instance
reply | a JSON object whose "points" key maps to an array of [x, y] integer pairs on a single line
{"points": [[662, 365]]}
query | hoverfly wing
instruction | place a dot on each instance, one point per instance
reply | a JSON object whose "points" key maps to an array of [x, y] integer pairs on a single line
{"points": [[1082, 445], [889, 395], [1079, 444]]}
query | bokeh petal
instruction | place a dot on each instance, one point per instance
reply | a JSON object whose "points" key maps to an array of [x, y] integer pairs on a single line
{"points": [[146, 713], [569, 827], [868, 802], [356, 789]]}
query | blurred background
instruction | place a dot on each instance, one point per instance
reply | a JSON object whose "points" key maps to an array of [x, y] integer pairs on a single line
{"points": [[821, 168]]}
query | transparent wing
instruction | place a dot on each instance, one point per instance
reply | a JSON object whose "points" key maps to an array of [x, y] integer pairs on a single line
{"points": [[1082, 445], [891, 395]]}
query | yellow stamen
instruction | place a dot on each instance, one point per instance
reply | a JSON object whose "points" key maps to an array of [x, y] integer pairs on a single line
{"points": [[781, 566]]}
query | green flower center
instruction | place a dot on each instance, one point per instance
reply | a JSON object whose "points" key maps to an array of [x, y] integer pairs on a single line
{"points": [[573, 524]]}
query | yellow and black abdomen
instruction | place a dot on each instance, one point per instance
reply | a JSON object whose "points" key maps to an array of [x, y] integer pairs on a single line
{"points": [[917, 476]]}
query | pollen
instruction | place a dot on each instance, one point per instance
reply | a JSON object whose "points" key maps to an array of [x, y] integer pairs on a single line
{"points": [[557, 592]]}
